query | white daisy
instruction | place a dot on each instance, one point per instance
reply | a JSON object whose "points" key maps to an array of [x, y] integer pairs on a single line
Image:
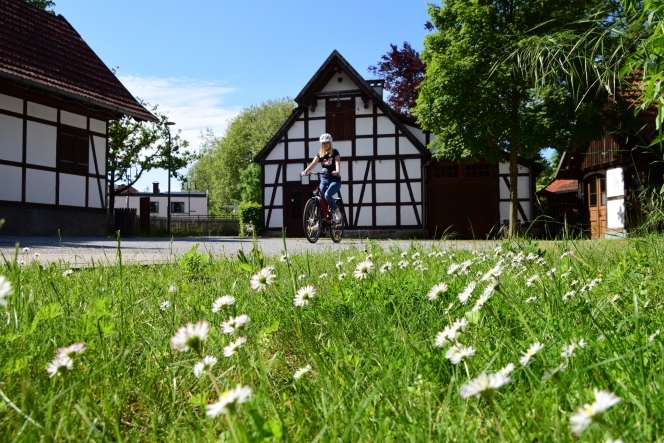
{"points": [[342, 276], [566, 253], [437, 291], [530, 353], [67, 272], [300, 372], [172, 289], [233, 346], [190, 336], [350, 259], [484, 385], [229, 401], [457, 353], [222, 303], [403, 264], [415, 256], [164, 305], [530, 281], [72, 350], [568, 295], [654, 336], [452, 269], [404, 254], [386, 267], [234, 324], [589, 413], [263, 279], [507, 370], [568, 350], [204, 365], [467, 292], [322, 276], [303, 296], [494, 272], [530, 299], [5, 290], [301, 277], [26, 250], [284, 258], [615, 298], [59, 366], [363, 269], [339, 265]]}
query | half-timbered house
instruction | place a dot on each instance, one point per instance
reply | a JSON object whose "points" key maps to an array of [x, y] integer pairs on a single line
{"points": [[391, 187], [56, 99]]}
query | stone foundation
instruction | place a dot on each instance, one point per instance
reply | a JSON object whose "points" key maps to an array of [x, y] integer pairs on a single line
{"points": [[21, 220]]}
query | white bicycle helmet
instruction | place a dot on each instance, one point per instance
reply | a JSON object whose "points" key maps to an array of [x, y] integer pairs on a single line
{"points": [[325, 138]]}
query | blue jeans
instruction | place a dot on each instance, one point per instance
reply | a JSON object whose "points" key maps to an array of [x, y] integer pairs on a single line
{"points": [[329, 188]]}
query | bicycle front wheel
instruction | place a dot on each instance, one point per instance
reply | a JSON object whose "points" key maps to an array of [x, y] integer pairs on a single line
{"points": [[311, 220]]}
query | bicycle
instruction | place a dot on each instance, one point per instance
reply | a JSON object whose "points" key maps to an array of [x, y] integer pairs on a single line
{"points": [[317, 214]]}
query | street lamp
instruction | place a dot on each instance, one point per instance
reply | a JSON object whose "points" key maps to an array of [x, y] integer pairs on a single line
{"points": [[168, 205]]}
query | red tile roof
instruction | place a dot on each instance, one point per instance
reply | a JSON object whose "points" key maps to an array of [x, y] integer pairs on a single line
{"points": [[562, 186], [44, 50]]}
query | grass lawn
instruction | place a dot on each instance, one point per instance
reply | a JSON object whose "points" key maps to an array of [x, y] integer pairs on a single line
{"points": [[525, 343]]}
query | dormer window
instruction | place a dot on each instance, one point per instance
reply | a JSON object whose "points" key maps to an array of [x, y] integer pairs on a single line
{"points": [[340, 118]]}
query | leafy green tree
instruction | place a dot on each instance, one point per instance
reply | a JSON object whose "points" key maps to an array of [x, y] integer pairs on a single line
{"points": [[476, 101], [46, 5], [224, 165], [141, 147]]}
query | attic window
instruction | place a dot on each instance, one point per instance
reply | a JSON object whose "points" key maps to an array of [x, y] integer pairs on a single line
{"points": [[340, 118], [447, 171], [478, 170]]}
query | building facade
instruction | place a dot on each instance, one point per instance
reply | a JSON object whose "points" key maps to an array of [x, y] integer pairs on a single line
{"points": [[183, 203]]}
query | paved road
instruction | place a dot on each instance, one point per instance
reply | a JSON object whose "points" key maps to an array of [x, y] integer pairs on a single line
{"points": [[81, 252]]}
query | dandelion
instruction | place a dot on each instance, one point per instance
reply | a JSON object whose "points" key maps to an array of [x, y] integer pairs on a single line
{"points": [[363, 269], [467, 292], [484, 385], [222, 303], [229, 401], [263, 279], [190, 336], [72, 350], [342, 276], [303, 296], [507, 370], [386, 267], [593, 412], [322, 276], [532, 279], [164, 305], [437, 291], [457, 353], [59, 365], [568, 350], [233, 346], [301, 277], [234, 324], [172, 289], [5, 290], [530, 353], [403, 264], [300, 372], [67, 273], [654, 336]]}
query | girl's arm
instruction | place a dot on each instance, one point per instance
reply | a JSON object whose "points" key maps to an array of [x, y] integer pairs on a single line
{"points": [[310, 167], [337, 162]]}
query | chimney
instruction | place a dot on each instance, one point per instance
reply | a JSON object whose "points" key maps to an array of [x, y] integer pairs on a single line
{"points": [[155, 187]]}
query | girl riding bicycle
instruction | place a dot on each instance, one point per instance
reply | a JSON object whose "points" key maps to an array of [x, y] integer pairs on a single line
{"points": [[330, 182]]}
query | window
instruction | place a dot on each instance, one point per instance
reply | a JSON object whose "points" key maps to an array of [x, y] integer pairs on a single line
{"points": [[177, 207], [154, 207], [73, 151], [592, 192], [602, 191], [340, 119], [478, 170], [447, 171]]}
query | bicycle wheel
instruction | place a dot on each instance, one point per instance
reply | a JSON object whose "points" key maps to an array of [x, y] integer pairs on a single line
{"points": [[337, 229], [311, 220]]}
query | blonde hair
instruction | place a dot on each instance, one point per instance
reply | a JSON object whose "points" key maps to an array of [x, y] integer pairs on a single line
{"points": [[322, 151]]}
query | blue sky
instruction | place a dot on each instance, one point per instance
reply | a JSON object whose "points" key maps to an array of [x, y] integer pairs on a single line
{"points": [[203, 61]]}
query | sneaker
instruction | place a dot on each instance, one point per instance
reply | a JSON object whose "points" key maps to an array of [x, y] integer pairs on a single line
{"points": [[315, 227], [336, 217]]}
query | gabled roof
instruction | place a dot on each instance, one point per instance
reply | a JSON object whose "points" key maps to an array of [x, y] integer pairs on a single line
{"points": [[562, 186], [335, 63], [43, 50]]}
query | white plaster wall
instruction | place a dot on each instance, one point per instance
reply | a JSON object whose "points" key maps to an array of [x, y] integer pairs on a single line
{"points": [[615, 214], [359, 107], [418, 133], [293, 171], [413, 169], [385, 126], [72, 190], [295, 150], [317, 127], [345, 85], [386, 146], [93, 193], [386, 193], [314, 147], [363, 126], [97, 126], [297, 130], [417, 192], [41, 144], [345, 148], [386, 215], [408, 215], [504, 168], [365, 218], [278, 197], [615, 186], [406, 147], [523, 188], [344, 193], [271, 174], [11, 185], [277, 153], [9, 103], [267, 196], [385, 170], [504, 208], [277, 219], [344, 170], [359, 168], [43, 112], [75, 120], [198, 203], [100, 151], [357, 189], [39, 186], [364, 146], [502, 189], [11, 138]]}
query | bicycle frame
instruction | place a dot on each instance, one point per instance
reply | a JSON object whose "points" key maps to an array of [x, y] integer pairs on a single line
{"points": [[324, 205]]}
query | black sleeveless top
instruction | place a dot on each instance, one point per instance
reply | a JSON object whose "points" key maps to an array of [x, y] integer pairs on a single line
{"points": [[327, 163]]}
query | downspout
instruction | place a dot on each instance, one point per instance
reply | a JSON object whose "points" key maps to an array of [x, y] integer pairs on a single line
{"points": [[424, 197]]}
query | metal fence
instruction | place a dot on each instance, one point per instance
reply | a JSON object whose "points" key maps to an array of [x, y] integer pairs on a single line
{"points": [[196, 225]]}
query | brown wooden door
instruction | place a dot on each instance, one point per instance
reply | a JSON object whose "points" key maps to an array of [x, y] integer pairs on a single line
{"points": [[596, 202], [295, 197]]}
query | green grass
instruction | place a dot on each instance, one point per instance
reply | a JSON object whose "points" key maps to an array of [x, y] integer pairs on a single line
{"points": [[377, 375]]}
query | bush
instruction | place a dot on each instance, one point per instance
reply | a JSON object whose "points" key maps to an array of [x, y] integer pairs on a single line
{"points": [[250, 218]]}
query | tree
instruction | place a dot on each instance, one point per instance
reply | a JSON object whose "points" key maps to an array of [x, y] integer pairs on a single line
{"points": [[224, 164], [473, 97], [403, 71], [142, 146], [46, 5]]}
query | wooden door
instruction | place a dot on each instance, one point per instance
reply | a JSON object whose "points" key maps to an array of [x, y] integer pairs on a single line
{"points": [[295, 196], [596, 203]]}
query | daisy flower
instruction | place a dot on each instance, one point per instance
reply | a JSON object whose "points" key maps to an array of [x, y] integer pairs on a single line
{"points": [[484, 385], [350, 259], [415, 255], [234, 324], [457, 353], [531, 280], [263, 279], [568, 295], [342, 276], [553, 371], [67, 272], [164, 305], [204, 365], [301, 277], [303, 296], [5, 290], [530, 299], [322, 276], [593, 412], [386, 267], [507, 370], [486, 295], [233, 346], [363, 269], [437, 291], [404, 254], [26, 249], [72, 350], [494, 272], [284, 258], [300, 372], [229, 401], [568, 350], [222, 303], [339, 265], [654, 336], [190, 336], [465, 295], [59, 366], [615, 298], [403, 264], [530, 353], [172, 289]]}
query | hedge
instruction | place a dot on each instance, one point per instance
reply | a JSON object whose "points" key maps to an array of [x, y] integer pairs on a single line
{"points": [[250, 214]]}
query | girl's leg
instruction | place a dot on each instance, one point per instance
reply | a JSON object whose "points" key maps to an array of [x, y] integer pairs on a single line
{"points": [[331, 191]]}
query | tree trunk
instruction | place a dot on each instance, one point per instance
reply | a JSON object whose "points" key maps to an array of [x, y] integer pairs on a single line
{"points": [[514, 191]]}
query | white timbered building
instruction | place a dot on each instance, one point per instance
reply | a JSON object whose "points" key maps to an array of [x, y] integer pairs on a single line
{"points": [[56, 99], [391, 187]]}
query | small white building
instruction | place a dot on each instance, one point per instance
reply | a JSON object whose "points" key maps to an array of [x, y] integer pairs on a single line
{"points": [[183, 203]]}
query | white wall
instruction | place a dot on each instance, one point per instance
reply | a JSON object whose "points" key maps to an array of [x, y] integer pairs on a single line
{"points": [[198, 204]]}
